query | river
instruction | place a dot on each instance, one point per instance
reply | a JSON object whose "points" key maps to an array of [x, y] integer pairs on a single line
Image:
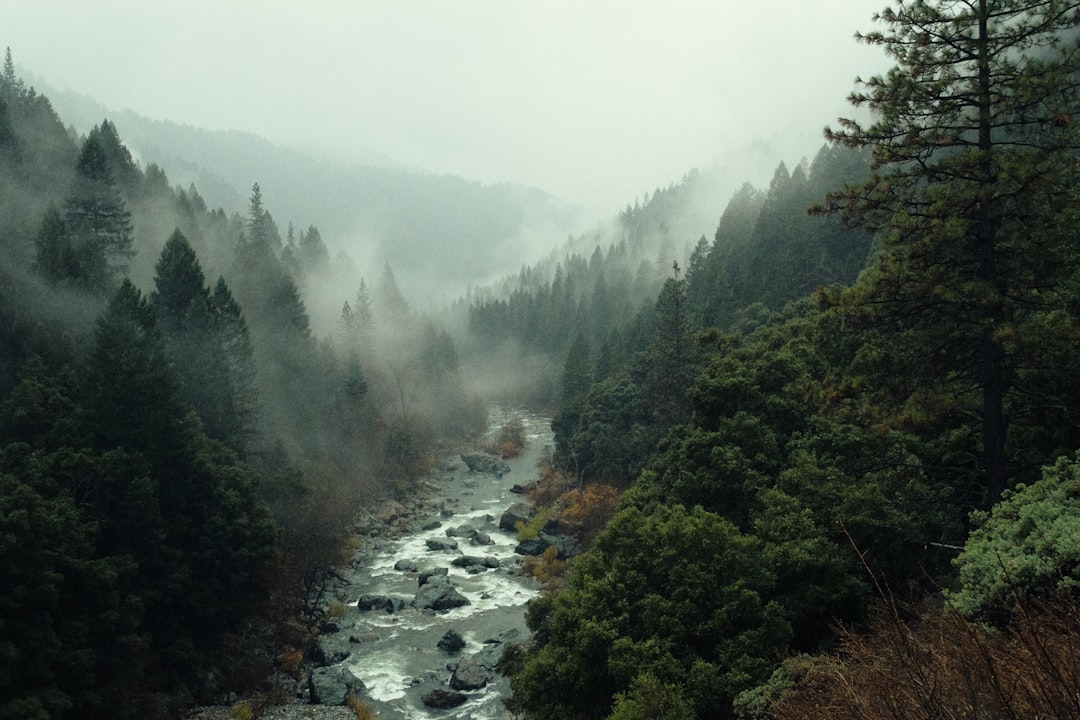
{"points": [[396, 653]]}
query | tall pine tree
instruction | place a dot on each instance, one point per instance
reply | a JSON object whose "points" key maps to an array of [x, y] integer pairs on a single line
{"points": [[967, 134]]}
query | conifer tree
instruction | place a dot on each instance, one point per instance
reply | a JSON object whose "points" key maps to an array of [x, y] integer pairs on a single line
{"points": [[967, 134], [98, 218]]}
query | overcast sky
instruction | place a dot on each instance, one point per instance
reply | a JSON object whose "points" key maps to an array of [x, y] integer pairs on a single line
{"points": [[596, 101]]}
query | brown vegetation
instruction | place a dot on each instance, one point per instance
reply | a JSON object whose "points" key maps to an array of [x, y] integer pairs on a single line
{"points": [[510, 440], [585, 512], [548, 569], [945, 666]]}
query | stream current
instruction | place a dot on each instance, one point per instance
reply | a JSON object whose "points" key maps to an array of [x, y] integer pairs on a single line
{"points": [[398, 658]]}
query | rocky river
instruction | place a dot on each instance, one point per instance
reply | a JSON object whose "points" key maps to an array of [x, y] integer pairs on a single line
{"points": [[429, 607]]}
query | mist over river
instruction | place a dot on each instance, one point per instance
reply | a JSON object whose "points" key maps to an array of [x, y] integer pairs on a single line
{"points": [[396, 654]]}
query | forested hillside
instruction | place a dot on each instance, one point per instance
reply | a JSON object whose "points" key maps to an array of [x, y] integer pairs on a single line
{"points": [[818, 463], [180, 455], [844, 441]]}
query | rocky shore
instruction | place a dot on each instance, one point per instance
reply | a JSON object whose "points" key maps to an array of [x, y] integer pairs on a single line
{"points": [[418, 621]]}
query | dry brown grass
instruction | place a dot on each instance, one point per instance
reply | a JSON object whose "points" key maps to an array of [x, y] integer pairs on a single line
{"points": [[945, 667]]}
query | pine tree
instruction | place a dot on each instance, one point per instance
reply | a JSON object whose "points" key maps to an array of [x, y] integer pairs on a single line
{"points": [[967, 137], [97, 217]]}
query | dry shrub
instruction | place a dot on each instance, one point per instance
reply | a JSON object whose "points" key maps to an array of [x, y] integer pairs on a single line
{"points": [[510, 440], [290, 660], [547, 568], [586, 512], [551, 485], [944, 666], [359, 709]]}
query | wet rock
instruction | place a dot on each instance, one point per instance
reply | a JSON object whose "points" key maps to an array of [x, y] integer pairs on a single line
{"points": [[451, 642], [481, 538], [518, 512], [486, 463], [472, 561], [329, 686], [469, 675], [446, 512], [443, 699], [431, 525], [438, 594], [426, 575], [329, 651], [405, 566], [532, 546], [566, 546], [464, 531], [441, 545], [376, 602]]}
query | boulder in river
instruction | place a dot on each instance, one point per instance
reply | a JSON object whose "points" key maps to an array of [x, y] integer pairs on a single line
{"points": [[443, 699], [451, 643], [426, 575], [463, 531], [481, 538], [486, 463], [438, 544], [330, 685], [518, 512], [468, 675], [376, 602], [438, 594], [405, 566]]}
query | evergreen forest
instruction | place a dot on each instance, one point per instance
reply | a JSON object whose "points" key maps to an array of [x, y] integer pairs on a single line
{"points": [[821, 464]]}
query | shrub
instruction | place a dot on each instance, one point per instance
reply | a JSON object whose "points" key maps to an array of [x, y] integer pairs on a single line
{"points": [[585, 512], [1028, 544], [531, 530], [359, 709], [547, 568]]}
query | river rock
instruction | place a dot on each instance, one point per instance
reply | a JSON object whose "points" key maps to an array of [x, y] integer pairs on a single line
{"points": [[464, 531], [376, 602], [426, 575], [486, 463], [330, 650], [532, 546], [468, 675], [431, 525], [329, 686], [472, 561], [518, 512], [443, 699], [405, 566], [481, 538], [451, 643], [438, 594], [441, 545]]}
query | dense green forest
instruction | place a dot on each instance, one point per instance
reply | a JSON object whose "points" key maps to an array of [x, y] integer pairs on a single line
{"points": [[822, 463], [845, 439], [181, 456]]}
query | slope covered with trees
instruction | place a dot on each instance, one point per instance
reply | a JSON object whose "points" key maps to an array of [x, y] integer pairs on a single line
{"points": [[804, 462], [180, 454]]}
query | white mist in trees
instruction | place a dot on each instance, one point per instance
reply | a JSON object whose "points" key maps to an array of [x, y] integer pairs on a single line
{"points": [[391, 300], [97, 217], [671, 354], [207, 342], [967, 134]]}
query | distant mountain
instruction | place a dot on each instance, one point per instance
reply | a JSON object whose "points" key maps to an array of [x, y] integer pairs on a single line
{"points": [[440, 233]]}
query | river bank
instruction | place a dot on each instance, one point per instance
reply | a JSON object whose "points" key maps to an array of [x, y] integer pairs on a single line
{"points": [[386, 635]]}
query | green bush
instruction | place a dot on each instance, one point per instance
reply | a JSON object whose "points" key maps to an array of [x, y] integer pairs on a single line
{"points": [[1028, 544]]}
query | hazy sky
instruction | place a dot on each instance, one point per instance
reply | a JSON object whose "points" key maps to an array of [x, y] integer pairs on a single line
{"points": [[594, 101]]}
